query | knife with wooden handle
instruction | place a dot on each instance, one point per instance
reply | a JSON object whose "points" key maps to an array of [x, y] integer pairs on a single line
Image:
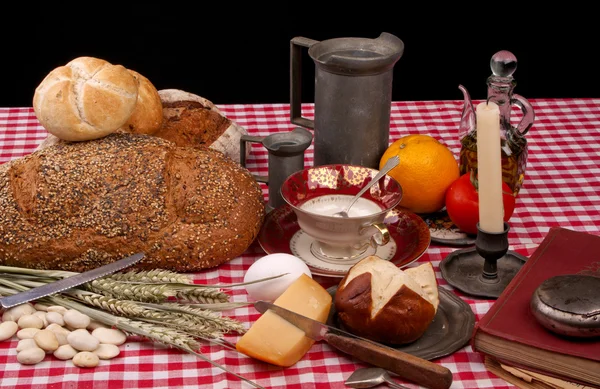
{"points": [[407, 366]]}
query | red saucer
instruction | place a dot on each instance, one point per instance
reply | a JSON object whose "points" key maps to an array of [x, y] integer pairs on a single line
{"points": [[408, 230]]}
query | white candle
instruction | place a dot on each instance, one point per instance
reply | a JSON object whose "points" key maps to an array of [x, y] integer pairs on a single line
{"points": [[489, 168]]}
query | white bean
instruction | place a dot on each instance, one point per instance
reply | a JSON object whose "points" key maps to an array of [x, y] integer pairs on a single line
{"points": [[62, 338], [6, 316], [82, 340], [107, 351], [46, 340], [30, 321], [65, 352], [26, 343], [31, 356], [86, 359], [110, 336], [40, 307], [27, 333], [20, 310], [96, 324], [57, 308], [76, 319], [55, 318], [42, 315], [56, 328], [8, 329]]}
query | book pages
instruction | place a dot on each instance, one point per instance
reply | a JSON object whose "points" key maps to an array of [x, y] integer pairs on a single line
{"points": [[553, 382]]}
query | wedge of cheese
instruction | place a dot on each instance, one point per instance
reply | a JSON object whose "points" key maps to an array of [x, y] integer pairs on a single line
{"points": [[272, 339]]}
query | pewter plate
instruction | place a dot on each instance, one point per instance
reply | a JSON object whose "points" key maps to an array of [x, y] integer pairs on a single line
{"points": [[449, 331]]}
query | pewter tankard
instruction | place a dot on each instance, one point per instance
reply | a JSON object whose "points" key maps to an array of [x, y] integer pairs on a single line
{"points": [[353, 95]]}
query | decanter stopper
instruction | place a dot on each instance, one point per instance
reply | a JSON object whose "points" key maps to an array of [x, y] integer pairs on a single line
{"points": [[503, 64]]}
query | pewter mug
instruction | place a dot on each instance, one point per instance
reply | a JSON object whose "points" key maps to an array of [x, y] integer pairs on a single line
{"points": [[286, 156], [353, 96]]}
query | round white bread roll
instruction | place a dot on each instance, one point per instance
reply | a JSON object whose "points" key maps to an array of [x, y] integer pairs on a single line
{"points": [[88, 98], [147, 117], [379, 301]]}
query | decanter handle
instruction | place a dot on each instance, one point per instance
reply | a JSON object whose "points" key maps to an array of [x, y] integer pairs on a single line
{"points": [[528, 114]]}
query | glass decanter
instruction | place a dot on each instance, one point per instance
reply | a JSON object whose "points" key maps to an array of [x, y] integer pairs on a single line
{"points": [[500, 87]]}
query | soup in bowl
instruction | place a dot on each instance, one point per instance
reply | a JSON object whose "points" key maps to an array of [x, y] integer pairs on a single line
{"points": [[315, 194]]}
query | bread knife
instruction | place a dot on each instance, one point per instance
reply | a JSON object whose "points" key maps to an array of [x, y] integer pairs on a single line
{"points": [[69, 282], [406, 366]]}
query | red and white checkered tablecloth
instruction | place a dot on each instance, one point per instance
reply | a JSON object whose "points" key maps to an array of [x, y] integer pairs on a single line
{"points": [[561, 188]]}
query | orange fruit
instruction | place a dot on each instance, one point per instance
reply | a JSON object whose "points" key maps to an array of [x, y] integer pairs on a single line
{"points": [[426, 170]]}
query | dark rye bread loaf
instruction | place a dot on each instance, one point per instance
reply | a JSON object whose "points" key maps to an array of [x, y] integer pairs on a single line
{"points": [[190, 119], [78, 205]]}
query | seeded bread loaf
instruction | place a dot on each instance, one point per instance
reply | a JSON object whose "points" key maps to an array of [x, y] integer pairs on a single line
{"points": [[78, 205]]}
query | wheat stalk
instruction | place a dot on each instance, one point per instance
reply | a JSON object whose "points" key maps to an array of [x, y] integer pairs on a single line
{"points": [[183, 323], [37, 272], [119, 307], [212, 306], [205, 317], [202, 295], [129, 291], [156, 276]]}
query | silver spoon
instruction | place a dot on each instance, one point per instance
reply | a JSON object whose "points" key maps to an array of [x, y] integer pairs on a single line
{"points": [[389, 165], [368, 377]]}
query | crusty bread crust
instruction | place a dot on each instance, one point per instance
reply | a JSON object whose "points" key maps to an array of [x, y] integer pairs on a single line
{"points": [[147, 117], [78, 205], [192, 120], [88, 98]]}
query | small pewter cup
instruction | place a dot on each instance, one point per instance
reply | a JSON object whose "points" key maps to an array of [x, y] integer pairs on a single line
{"points": [[286, 156]]}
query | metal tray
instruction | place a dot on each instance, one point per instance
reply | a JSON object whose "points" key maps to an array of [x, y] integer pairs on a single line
{"points": [[449, 331]]}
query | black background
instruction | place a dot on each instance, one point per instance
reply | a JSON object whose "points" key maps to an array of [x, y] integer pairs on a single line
{"points": [[232, 53]]}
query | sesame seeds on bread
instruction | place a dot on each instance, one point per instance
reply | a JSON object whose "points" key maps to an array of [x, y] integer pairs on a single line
{"points": [[78, 205]]}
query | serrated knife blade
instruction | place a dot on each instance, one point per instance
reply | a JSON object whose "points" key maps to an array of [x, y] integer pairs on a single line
{"points": [[69, 282]]}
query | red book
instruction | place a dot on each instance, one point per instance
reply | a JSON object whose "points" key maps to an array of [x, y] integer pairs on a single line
{"points": [[510, 333]]}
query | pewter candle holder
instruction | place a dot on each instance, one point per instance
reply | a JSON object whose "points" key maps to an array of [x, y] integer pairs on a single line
{"points": [[486, 269]]}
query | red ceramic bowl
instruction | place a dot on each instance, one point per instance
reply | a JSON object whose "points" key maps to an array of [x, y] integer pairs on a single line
{"points": [[340, 179]]}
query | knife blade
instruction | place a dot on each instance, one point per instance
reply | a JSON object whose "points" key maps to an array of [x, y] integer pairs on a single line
{"points": [[69, 282], [407, 366]]}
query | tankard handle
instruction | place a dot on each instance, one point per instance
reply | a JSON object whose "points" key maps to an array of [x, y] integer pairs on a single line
{"points": [[528, 114], [243, 141], [296, 45]]}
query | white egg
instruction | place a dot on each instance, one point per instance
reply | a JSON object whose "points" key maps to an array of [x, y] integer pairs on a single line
{"points": [[273, 265]]}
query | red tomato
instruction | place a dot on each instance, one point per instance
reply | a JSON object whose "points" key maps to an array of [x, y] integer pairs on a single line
{"points": [[462, 203]]}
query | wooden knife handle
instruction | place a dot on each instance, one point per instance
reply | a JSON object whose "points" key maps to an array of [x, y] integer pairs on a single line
{"points": [[407, 366]]}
